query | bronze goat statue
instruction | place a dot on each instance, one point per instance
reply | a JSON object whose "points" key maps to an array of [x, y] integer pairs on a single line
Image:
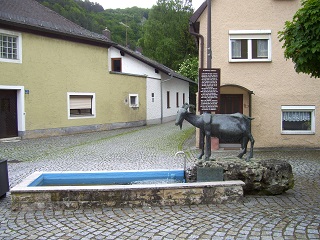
{"points": [[235, 127]]}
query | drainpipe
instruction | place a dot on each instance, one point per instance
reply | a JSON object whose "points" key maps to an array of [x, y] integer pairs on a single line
{"points": [[209, 51], [250, 103], [162, 81], [201, 40]]}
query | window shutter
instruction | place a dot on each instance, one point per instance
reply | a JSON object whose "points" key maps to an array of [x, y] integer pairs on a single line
{"points": [[80, 102]]}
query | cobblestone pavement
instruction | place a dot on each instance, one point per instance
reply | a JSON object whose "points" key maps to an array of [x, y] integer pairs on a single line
{"points": [[293, 215]]}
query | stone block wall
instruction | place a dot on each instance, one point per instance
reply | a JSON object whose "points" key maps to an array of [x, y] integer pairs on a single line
{"points": [[127, 196]]}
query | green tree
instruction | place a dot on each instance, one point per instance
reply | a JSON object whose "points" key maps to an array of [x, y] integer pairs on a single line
{"points": [[301, 38], [189, 68], [166, 37]]}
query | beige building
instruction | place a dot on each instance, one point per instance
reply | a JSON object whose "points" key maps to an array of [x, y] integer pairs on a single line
{"points": [[255, 77]]}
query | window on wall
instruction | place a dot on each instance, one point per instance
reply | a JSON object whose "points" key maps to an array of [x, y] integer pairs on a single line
{"points": [[168, 99], [133, 100], [10, 46], [116, 65], [81, 105], [249, 46], [177, 99], [298, 120], [152, 97], [183, 98]]}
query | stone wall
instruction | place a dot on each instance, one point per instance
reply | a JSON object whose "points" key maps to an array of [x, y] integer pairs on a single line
{"points": [[33, 198]]}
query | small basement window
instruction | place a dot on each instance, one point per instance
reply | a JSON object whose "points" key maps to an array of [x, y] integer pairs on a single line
{"points": [[133, 100], [81, 105]]}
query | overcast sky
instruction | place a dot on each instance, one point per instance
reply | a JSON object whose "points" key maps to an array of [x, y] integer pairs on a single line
{"points": [[139, 3]]}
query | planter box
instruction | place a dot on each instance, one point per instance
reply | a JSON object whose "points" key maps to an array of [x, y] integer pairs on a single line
{"points": [[4, 180]]}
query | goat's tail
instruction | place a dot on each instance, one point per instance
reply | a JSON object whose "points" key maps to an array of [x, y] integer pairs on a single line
{"points": [[249, 118]]}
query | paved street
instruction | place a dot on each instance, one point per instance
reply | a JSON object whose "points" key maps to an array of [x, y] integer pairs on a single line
{"points": [[293, 215]]}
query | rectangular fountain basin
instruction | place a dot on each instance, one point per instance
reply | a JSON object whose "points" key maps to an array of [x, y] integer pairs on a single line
{"points": [[75, 190], [108, 178]]}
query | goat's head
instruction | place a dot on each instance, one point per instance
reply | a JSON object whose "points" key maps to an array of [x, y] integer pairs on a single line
{"points": [[181, 114]]}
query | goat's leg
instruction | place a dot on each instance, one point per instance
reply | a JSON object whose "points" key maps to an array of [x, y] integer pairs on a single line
{"points": [[208, 146], [251, 148], [244, 144], [201, 143]]}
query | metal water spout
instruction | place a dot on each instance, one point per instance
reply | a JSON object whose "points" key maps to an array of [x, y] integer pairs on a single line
{"points": [[185, 159]]}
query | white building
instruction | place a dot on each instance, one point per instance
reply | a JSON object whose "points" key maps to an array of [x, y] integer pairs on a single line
{"points": [[166, 90]]}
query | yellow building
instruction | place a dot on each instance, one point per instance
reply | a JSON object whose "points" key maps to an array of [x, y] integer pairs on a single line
{"points": [[55, 78], [255, 77]]}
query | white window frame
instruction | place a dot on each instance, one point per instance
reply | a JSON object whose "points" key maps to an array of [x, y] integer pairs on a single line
{"points": [[136, 102], [310, 109], [250, 35], [93, 95], [19, 46]]}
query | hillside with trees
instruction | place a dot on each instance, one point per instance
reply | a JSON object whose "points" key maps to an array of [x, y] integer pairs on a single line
{"points": [[93, 17], [161, 33]]}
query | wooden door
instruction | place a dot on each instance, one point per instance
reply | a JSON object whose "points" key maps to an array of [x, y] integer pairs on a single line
{"points": [[8, 114], [231, 103]]}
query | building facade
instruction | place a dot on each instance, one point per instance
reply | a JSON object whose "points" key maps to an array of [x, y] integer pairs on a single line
{"points": [[256, 79], [166, 90], [58, 78], [63, 87]]}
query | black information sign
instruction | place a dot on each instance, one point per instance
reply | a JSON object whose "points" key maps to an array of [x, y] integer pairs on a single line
{"points": [[209, 89]]}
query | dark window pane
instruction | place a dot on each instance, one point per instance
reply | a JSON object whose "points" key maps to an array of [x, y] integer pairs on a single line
{"points": [[300, 125], [116, 65], [244, 49], [80, 112], [239, 49], [259, 48], [296, 121]]}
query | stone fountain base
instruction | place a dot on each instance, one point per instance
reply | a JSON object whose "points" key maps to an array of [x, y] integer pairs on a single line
{"points": [[261, 176]]}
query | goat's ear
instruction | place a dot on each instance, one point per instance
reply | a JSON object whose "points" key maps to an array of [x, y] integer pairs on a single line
{"points": [[192, 108], [185, 106]]}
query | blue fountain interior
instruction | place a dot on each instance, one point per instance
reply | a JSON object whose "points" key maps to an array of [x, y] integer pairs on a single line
{"points": [[108, 178]]}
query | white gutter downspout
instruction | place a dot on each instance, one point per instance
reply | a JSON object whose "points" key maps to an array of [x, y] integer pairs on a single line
{"points": [[162, 81]]}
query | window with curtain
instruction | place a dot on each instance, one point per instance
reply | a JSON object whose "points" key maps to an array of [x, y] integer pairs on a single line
{"points": [[298, 119], [262, 48], [249, 45], [239, 49]]}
